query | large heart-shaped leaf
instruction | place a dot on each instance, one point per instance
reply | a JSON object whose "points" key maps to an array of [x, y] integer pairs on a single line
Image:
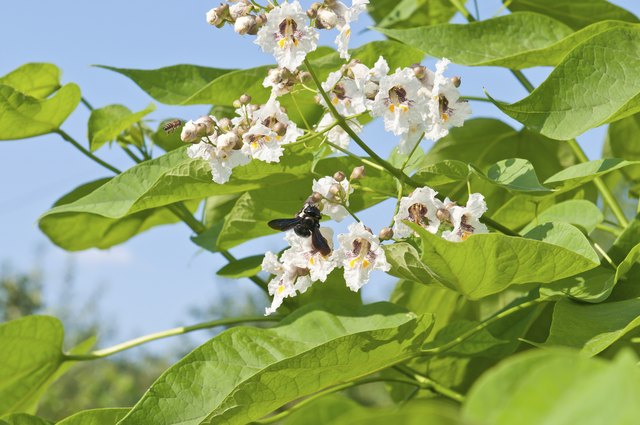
{"points": [[244, 374], [37, 80], [106, 124], [109, 416]]}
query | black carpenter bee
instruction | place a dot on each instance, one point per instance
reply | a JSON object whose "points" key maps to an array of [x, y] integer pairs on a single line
{"points": [[172, 126], [306, 223]]}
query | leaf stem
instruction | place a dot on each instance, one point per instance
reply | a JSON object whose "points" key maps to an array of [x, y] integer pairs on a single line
{"points": [[607, 195], [523, 80], [614, 230], [353, 155], [105, 352], [85, 151], [281, 415], [477, 98], [429, 383], [131, 155], [483, 325], [86, 103]]}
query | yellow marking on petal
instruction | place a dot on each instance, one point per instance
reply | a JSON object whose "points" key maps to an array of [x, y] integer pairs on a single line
{"points": [[312, 261], [281, 42], [353, 262], [255, 145], [465, 235], [365, 263], [267, 138], [404, 108], [335, 100], [295, 42], [392, 107], [444, 117], [278, 138], [348, 32], [280, 289]]}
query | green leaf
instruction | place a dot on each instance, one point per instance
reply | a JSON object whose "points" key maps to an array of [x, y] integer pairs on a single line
{"points": [[106, 124], [35, 355], [108, 416], [624, 138], [244, 374], [585, 172], [477, 344], [411, 13], [244, 267], [518, 40], [556, 387], [23, 419], [24, 116], [629, 261], [576, 14], [174, 84], [514, 174], [78, 230], [593, 327], [503, 260], [416, 412], [566, 236], [37, 80], [629, 238], [583, 214], [406, 263], [442, 173], [592, 286], [325, 410], [575, 98]]}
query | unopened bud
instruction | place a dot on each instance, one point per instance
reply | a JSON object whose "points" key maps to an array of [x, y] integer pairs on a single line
{"points": [[304, 76], [420, 71], [357, 173], [242, 8], [218, 15], [443, 214], [335, 189], [227, 141], [236, 103], [317, 98], [456, 81], [245, 98], [315, 198], [339, 176], [326, 19], [312, 13], [279, 128], [205, 125], [225, 124], [254, 108], [261, 19], [189, 132], [239, 130], [371, 90], [385, 234], [245, 25]]}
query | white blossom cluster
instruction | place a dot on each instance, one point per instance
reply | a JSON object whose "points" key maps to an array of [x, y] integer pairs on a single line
{"points": [[424, 209], [257, 132], [359, 251]]}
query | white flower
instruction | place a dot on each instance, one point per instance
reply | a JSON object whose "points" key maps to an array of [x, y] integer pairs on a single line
{"points": [[337, 135], [344, 93], [281, 81], [287, 36], [346, 15], [420, 208], [222, 161], [261, 143], [282, 284], [400, 102], [465, 219], [271, 115], [446, 110], [304, 255], [360, 253], [334, 193]]}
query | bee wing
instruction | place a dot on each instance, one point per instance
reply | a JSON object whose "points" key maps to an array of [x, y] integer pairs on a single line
{"points": [[319, 242], [284, 224]]}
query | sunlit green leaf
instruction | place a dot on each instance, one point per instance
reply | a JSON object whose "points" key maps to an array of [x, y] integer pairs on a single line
{"points": [[583, 214], [106, 124], [23, 419], [37, 80], [564, 235], [515, 174], [109, 416], [23, 116], [410, 13], [576, 14], [556, 386], [575, 98], [244, 267], [592, 286], [217, 384]]}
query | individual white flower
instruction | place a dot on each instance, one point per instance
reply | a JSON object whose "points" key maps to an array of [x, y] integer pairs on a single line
{"points": [[446, 110], [304, 255], [400, 102], [345, 16], [271, 115], [282, 284], [337, 135], [466, 220], [344, 93], [281, 81], [420, 208], [222, 161], [287, 36], [368, 79], [261, 143], [360, 253], [334, 194]]}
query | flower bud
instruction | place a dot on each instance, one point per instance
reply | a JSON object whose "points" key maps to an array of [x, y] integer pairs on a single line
{"points": [[371, 90], [189, 132], [385, 234], [335, 190], [254, 108], [205, 125], [279, 128], [456, 81], [304, 77], [317, 99], [261, 19], [236, 103], [242, 8], [326, 19], [217, 16], [239, 131], [315, 197], [339, 176], [312, 13], [420, 71], [227, 141], [357, 173], [225, 124], [245, 99], [245, 25], [443, 215]]}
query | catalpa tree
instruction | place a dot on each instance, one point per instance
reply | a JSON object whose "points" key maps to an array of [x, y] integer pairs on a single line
{"points": [[517, 296]]}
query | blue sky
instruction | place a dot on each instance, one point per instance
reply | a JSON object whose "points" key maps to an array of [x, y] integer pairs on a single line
{"points": [[151, 282]]}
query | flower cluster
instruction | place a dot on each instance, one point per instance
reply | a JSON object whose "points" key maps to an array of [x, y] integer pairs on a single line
{"points": [[424, 209], [257, 132], [359, 251]]}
